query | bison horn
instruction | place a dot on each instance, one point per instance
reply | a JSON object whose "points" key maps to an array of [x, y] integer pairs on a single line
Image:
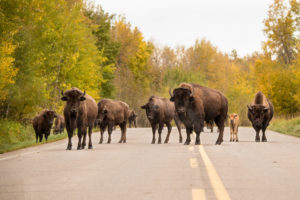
{"points": [[192, 92], [62, 92], [170, 92], [83, 93]]}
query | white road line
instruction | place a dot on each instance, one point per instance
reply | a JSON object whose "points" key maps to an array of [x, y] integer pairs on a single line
{"points": [[198, 194], [215, 180]]}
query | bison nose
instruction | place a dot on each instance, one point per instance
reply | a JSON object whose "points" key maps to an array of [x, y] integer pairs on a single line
{"points": [[181, 110], [73, 111]]}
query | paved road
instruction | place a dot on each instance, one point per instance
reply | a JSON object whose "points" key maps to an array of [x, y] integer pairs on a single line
{"points": [[139, 170]]}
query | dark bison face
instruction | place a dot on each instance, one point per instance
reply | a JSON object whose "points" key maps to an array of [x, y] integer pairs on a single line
{"points": [[73, 98], [102, 113], [182, 98], [152, 110], [49, 116], [132, 115], [257, 113]]}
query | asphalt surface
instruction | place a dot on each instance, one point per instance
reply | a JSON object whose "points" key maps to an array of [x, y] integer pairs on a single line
{"points": [[139, 170]]}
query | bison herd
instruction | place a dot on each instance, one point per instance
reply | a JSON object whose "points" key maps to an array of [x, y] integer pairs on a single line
{"points": [[190, 104]]}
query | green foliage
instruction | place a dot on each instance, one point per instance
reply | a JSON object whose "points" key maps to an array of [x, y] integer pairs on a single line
{"points": [[290, 127]]}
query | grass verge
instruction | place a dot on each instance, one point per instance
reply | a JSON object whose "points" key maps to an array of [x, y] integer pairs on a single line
{"points": [[14, 135], [289, 127]]}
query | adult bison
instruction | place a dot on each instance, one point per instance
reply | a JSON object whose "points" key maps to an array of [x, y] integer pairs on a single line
{"points": [[80, 112], [132, 118], [161, 111], [42, 124], [112, 113], [59, 124], [260, 113], [195, 104]]}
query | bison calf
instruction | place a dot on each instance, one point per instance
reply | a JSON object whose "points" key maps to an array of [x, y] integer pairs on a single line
{"points": [[161, 111], [112, 113], [80, 112], [132, 118], [234, 126], [260, 113], [59, 124], [42, 124]]}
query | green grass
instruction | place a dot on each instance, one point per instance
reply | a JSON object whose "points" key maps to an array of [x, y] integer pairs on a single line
{"points": [[14, 135], [289, 127]]}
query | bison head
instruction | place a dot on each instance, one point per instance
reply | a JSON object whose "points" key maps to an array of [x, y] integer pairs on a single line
{"points": [[102, 112], [257, 113], [182, 97], [152, 109], [49, 116], [73, 98]]}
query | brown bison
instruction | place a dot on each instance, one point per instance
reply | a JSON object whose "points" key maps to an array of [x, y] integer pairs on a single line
{"points": [[59, 124], [260, 113], [42, 124], [80, 112], [234, 126], [132, 118], [195, 104], [112, 113], [161, 111]]}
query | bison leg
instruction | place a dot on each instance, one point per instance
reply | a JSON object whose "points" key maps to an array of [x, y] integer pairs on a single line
{"points": [[123, 133], [154, 127], [134, 123], [41, 137], [231, 134], [188, 135], [198, 127], [70, 135], [79, 134], [83, 144], [179, 128], [102, 130], [264, 138], [169, 131], [160, 128], [90, 137], [236, 134], [220, 123], [257, 137], [110, 129]]}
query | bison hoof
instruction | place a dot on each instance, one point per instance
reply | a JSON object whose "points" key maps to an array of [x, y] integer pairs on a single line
{"points": [[78, 148], [264, 140], [180, 140], [166, 141], [90, 147], [257, 140], [187, 143], [100, 142], [153, 141], [124, 141], [69, 148], [197, 142]]}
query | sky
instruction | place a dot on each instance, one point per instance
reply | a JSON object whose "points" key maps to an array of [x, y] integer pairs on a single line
{"points": [[227, 24]]}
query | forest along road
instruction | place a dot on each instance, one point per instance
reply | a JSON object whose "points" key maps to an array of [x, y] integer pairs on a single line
{"points": [[139, 170]]}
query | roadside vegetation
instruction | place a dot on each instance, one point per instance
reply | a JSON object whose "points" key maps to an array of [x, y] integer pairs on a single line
{"points": [[49, 46], [286, 126]]}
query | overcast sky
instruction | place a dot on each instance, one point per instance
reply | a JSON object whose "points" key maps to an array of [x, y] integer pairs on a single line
{"points": [[228, 24]]}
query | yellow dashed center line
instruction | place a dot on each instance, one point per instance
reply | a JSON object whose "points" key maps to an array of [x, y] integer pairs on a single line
{"points": [[215, 180], [193, 162], [198, 194]]}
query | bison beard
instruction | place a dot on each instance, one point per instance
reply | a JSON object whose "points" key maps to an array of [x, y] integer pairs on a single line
{"points": [[195, 104]]}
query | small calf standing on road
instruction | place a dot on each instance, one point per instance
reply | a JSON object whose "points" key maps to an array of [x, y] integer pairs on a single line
{"points": [[132, 118], [234, 126], [59, 124], [260, 113], [161, 111], [110, 114], [42, 124]]}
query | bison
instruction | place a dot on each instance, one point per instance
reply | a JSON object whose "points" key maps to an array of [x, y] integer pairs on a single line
{"points": [[132, 118], [234, 126], [260, 113], [59, 124], [112, 113], [161, 111], [195, 104], [80, 112], [42, 124]]}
